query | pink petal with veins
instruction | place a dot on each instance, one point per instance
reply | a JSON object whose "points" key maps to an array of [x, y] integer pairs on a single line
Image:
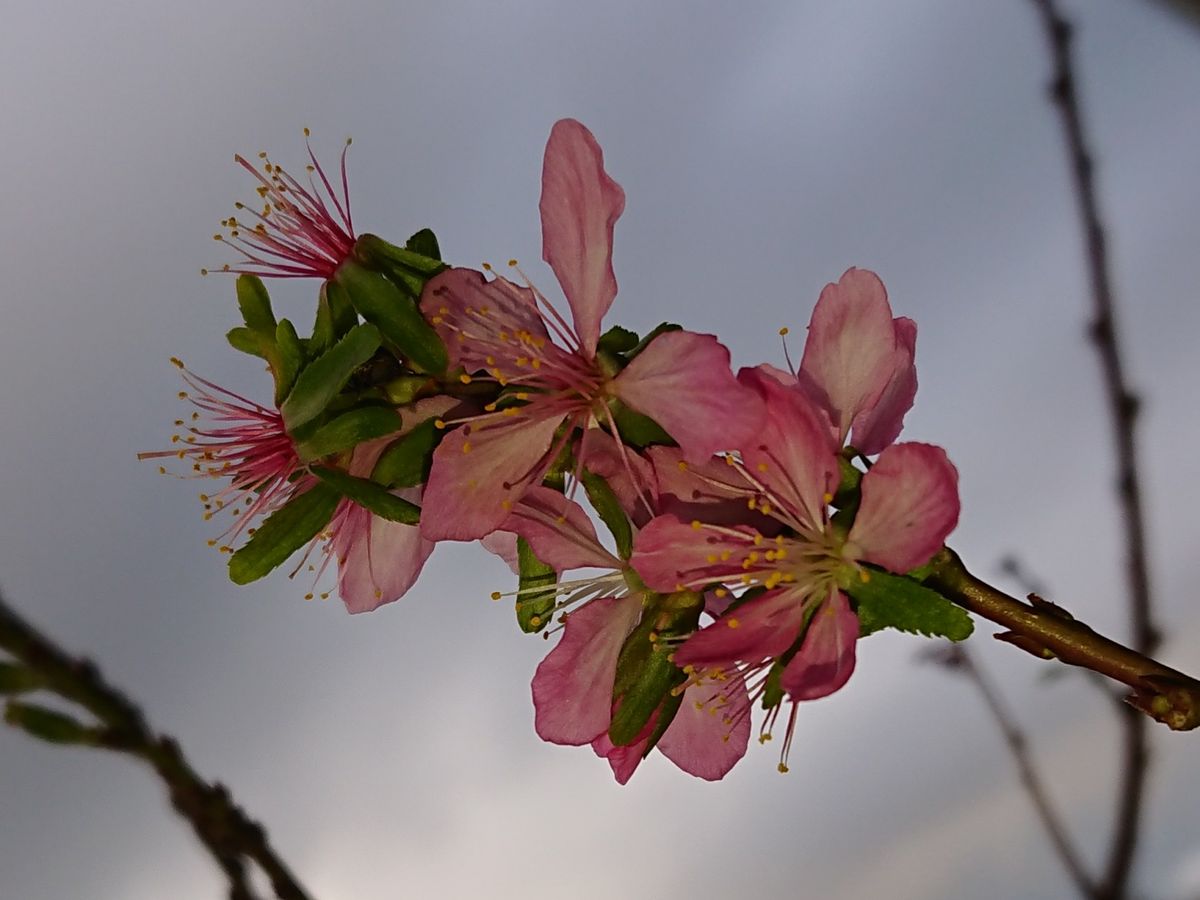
{"points": [[559, 531], [711, 730], [669, 553], [683, 382], [580, 205], [850, 352], [573, 685], [479, 474], [378, 560], [909, 505], [825, 660], [757, 630], [879, 426]]}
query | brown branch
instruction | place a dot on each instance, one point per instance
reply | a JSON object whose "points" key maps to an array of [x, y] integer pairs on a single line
{"points": [[1123, 406], [227, 832], [957, 657]]}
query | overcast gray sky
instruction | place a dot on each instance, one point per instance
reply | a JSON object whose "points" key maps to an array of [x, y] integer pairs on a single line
{"points": [[762, 153]]}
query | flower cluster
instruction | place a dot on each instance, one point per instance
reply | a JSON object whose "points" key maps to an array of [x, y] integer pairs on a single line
{"points": [[761, 521]]}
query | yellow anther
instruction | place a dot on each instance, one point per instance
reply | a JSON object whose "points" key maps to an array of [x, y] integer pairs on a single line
{"points": [[765, 509], [308, 596], [512, 411], [683, 466], [522, 395], [864, 576], [783, 769], [506, 504], [464, 378], [378, 593], [725, 554], [783, 332], [758, 539], [535, 621], [177, 362], [487, 267], [721, 592], [732, 623], [512, 263], [466, 448], [490, 407], [751, 503], [439, 424], [828, 497], [712, 557], [496, 595], [696, 526], [762, 467]]}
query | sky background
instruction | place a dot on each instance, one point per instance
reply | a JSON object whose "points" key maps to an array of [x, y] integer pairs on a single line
{"points": [[762, 153]]}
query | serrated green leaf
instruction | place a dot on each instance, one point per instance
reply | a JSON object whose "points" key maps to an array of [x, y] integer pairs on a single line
{"points": [[288, 359], [424, 243], [610, 510], [372, 496], [662, 328], [323, 378], [536, 599], [16, 679], [349, 430], [638, 430], [48, 724], [617, 340], [255, 304], [395, 313], [246, 340], [406, 462], [893, 601], [283, 533]]}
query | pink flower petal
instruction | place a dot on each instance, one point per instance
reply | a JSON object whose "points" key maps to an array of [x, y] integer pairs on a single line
{"points": [[573, 685], [757, 630], [682, 381], [825, 660], [378, 560], [559, 531], [711, 730], [624, 760], [849, 354], [879, 426], [479, 474], [670, 555], [909, 505], [579, 206], [793, 453], [627, 472], [477, 318], [504, 545]]}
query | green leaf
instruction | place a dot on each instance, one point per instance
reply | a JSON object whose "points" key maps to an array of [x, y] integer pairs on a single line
{"points": [[323, 378], [349, 430], [406, 462], [617, 340], [366, 493], [395, 313], [48, 724], [610, 510], [424, 243], [255, 304], [535, 602], [283, 533], [893, 601], [660, 329], [16, 679], [638, 430], [379, 254], [288, 359], [335, 317], [247, 341]]}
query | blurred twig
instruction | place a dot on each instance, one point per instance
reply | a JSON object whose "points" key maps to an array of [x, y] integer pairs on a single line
{"points": [[229, 835], [1123, 405]]}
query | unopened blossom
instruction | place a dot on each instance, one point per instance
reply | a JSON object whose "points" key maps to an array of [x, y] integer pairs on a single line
{"points": [[573, 686], [858, 362], [296, 229], [789, 472], [553, 379], [231, 439]]}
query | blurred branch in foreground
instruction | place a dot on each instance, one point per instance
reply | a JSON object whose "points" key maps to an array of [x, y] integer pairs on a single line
{"points": [[40, 665]]}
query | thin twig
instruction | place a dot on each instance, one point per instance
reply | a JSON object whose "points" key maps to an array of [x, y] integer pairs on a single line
{"points": [[957, 657], [1123, 406], [227, 832]]}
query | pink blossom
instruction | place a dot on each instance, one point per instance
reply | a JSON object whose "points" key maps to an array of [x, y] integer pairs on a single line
{"points": [[789, 473], [858, 362], [554, 382], [296, 231]]}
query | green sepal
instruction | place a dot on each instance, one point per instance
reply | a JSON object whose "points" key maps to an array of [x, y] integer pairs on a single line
{"points": [[848, 494], [394, 311], [17, 679], [288, 361], [49, 724], [406, 462], [323, 378], [283, 532], [617, 340], [536, 597], [638, 430], [772, 694], [610, 510], [885, 600], [255, 304], [335, 317], [645, 673], [424, 243], [662, 328], [349, 430], [369, 495], [246, 340]]}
